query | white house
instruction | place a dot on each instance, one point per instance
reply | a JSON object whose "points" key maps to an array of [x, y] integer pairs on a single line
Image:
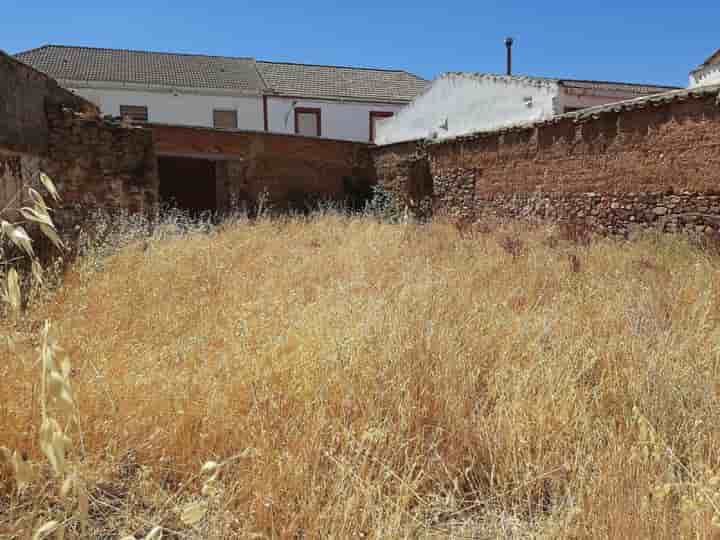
{"points": [[708, 72], [228, 92], [462, 103]]}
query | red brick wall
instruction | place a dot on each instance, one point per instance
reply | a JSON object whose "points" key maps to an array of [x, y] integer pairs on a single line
{"points": [[657, 163], [283, 166]]}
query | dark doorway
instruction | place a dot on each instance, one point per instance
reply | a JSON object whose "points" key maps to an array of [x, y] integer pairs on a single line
{"points": [[188, 184]]}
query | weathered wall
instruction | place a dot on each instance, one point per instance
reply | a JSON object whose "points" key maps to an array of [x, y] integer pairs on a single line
{"points": [[16, 171], [94, 163], [99, 164], [24, 96], [288, 168], [652, 162]]}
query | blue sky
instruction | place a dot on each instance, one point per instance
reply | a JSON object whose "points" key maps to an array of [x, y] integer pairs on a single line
{"points": [[631, 40]]}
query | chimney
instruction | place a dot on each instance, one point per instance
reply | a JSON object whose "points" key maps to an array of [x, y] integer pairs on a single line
{"points": [[509, 44]]}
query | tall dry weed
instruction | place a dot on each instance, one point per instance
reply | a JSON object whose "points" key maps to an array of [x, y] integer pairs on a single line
{"points": [[354, 378]]}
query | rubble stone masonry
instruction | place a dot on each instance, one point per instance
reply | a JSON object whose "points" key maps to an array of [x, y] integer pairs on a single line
{"points": [[648, 162], [94, 162]]}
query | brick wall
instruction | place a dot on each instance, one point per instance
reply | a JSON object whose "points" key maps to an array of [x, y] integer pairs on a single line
{"points": [[650, 162], [288, 168]]}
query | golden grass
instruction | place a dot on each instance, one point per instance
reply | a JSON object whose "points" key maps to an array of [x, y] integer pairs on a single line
{"points": [[384, 381]]}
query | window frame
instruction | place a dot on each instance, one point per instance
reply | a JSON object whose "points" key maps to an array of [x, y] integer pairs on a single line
{"points": [[132, 117], [309, 110], [374, 115], [222, 110]]}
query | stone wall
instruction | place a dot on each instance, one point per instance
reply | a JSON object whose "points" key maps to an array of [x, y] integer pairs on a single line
{"points": [[654, 161], [100, 164], [16, 171], [288, 168], [25, 94], [94, 162]]}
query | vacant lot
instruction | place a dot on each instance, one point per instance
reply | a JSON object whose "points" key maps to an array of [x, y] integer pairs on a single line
{"points": [[367, 380]]}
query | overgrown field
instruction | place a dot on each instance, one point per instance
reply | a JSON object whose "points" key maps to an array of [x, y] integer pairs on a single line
{"points": [[367, 380]]}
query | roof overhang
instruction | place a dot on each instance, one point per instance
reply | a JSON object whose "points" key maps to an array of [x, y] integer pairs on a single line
{"points": [[339, 99], [162, 89]]}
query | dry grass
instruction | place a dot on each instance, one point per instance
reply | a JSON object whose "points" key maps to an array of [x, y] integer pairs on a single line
{"points": [[367, 380]]}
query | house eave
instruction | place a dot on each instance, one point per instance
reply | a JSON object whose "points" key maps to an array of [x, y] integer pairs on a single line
{"points": [[340, 99], [157, 88]]}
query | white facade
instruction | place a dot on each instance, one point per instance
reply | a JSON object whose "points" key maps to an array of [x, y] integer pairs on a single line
{"points": [[347, 120], [706, 74], [462, 103], [177, 106]]}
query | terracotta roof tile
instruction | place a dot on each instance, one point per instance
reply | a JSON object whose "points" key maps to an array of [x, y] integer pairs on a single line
{"points": [[222, 72], [143, 67], [306, 80]]}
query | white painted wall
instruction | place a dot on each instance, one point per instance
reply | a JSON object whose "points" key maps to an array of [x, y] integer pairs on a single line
{"points": [[183, 108], [468, 103], [705, 76], [346, 120]]}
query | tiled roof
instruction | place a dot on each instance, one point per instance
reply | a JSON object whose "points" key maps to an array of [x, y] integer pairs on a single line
{"points": [[312, 81], [632, 88], [143, 67], [222, 72]]}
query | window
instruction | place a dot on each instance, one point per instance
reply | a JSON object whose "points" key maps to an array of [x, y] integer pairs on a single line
{"points": [[136, 113], [225, 119], [572, 109], [375, 117], [308, 121]]}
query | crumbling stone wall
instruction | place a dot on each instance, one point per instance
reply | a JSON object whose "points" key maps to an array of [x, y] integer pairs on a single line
{"points": [[16, 171], [99, 164], [94, 162], [655, 162], [25, 94]]}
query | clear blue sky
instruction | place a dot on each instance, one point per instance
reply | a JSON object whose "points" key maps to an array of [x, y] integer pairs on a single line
{"points": [[630, 40]]}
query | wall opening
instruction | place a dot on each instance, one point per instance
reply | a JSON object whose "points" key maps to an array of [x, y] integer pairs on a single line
{"points": [[188, 184]]}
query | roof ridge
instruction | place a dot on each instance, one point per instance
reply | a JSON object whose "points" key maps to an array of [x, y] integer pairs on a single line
{"points": [[621, 83], [363, 68], [41, 47], [48, 45], [557, 79]]}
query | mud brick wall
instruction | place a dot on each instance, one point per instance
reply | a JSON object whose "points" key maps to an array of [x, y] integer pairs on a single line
{"points": [[287, 168], [653, 162]]}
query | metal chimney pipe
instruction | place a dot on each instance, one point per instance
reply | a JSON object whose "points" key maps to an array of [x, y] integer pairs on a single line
{"points": [[508, 45]]}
